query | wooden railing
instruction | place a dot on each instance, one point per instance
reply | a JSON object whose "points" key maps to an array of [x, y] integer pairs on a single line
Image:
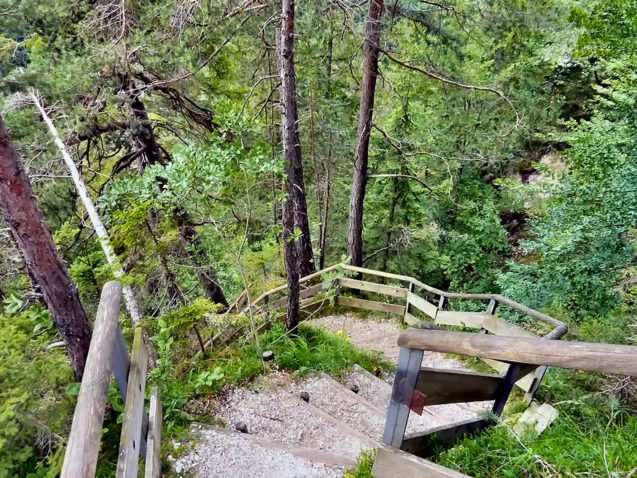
{"points": [[108, 355], [452, 386], [421, 306]]}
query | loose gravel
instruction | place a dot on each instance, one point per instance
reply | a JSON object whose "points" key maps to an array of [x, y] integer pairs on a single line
{"points": [[273, 412], [219, 454]]}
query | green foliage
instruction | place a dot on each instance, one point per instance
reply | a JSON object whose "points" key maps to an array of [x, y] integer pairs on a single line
{"points": [[317, 350], [35, 410], [364, 466], [583, 441]]}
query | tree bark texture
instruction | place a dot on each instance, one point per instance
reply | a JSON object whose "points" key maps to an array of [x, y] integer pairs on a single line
{"points": [[32, 235], [291, 138], [368, 87], [291, 263]]}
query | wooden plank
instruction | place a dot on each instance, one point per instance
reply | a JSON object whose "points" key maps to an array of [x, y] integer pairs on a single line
{"points": [[371, 305], [407, 369], [80, 458], [536, 380], [284, 286], [387, 275], [373, 287], [153, 453], [425, 443], [461, 319], [499, 326], [524, 383], [412, 319], [121, 366], [592, 357], [129, 446], [422, 305], [393, 463], [455, 386], [303, 294]]}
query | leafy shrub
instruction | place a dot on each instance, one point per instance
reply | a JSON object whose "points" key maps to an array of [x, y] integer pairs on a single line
{"points": [[35, 410]]}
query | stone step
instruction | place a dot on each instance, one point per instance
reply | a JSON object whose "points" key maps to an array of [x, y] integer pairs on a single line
{"points": [[343, 404], [224, 453], [271, 411]]}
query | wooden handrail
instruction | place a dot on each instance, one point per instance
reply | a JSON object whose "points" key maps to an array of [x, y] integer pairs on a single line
{"points": [[588, 356], [86, 431], [559, 330], [108, 354]]}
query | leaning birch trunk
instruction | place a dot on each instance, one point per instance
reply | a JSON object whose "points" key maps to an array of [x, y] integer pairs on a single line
{"points": [[129, 295]]}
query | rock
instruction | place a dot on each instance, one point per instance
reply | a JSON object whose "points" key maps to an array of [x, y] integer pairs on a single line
{"points": [[268, 356], [241, 426], [305, 396], [536, 417], [354, 388]]}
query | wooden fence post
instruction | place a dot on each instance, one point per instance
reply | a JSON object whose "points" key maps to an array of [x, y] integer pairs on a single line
{"points": [[80, 459], [407, 371], [130, 443]]}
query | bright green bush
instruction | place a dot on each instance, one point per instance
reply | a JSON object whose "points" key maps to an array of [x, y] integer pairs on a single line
{"points": [[35, 410]]}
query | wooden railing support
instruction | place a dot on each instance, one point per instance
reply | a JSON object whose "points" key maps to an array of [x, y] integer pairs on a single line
{"points": [[108, 355], [407, 370], [80, 459], [521, 354]]}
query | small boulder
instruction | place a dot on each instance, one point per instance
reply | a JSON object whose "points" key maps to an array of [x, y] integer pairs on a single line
{"points": [[241, 427], [305, 396], [268, 356]]}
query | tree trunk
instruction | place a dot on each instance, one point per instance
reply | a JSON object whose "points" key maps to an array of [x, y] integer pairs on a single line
{"points": [[291, 262], [291, 139], [207, 277], [368, 87], [24, 218], [132, 305]]}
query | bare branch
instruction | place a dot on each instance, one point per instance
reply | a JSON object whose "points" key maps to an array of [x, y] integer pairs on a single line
{"points": [[406, 176], [454, 83]]}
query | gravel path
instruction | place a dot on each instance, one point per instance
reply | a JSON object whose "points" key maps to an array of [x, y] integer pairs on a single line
{"points": [[289, 438], [227, 454], [338, 401], [273, 412]]}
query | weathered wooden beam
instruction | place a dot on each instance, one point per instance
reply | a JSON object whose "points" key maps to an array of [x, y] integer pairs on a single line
{"points": [[303, 294], [455, 386], [153, 453], [425, 444], [422, 304], [473, 320], [592, 357], [129, 446], [524, 383], [373, 287], [393, 463], [86, 431], [499, 326], [371, 305], [504, 388], [407, 369]]}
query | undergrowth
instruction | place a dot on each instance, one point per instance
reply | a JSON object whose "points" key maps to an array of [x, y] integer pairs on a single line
{"points": [[182, 379]]}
